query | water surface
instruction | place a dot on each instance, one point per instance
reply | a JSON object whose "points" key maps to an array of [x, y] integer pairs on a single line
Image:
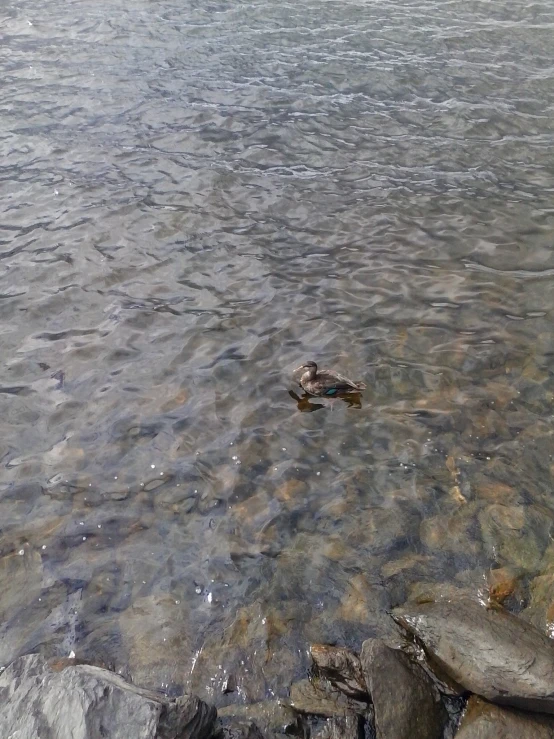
{"points": [[196, 197]]}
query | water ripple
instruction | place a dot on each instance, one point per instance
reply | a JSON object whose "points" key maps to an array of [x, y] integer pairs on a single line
{"points": [[196, 197]]}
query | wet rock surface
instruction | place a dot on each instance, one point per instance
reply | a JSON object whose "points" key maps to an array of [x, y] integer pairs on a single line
{"points": [[318, 697], [156, 638], [406, 704], [488, 651], [82, 701], [248, 656], [238, 729], [342, 668], [341, 727], [484, 720], [271, 717]]}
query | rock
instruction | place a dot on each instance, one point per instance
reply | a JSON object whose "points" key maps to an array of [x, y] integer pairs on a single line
{"points": [[341, 727], [384, 531], [272, 717], [291, 492], [484, 720], [497, 492], [364, 602], [342, 667], [85, 702], [255, 648], [20, 583], [540, 611], [430, 592], [50, 622], [155, 633], [516, 535], [318, 697], [405, 701], [489, 652], [502, 583], [400, 574], [452, 532], [238, 729]]}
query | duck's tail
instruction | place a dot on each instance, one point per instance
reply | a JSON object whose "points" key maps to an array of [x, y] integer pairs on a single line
{"points": [[359, 385]]}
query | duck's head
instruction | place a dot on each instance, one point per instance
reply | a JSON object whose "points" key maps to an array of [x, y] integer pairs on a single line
{"points": [[308, 367]]}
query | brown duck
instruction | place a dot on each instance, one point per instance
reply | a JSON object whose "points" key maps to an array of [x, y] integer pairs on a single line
{"points": [[326, 382]]}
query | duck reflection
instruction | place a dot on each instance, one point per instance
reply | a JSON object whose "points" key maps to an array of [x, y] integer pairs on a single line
{"points": [[352, 400]]}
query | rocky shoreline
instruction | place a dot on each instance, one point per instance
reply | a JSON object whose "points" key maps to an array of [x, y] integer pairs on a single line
{"points": [[459, 668]]}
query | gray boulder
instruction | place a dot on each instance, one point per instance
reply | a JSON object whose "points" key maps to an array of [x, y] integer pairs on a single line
{"points": [[489, 652], [405, 702], [76, 701]]}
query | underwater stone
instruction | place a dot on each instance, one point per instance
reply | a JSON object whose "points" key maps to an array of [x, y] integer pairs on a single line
{"points": [[270, 716], [341, 727]]}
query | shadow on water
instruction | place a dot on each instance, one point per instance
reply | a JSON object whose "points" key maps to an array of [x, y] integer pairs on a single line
{"points": [[304, 404]]}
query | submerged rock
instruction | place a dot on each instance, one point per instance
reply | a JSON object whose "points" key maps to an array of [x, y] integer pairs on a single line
{"points": [[405, 701], [484, 720], [503, 583], [272, 717], [341, 727], [540, 611], [342, 667], [155, 633], [518, 535], [238, 729], [364, 604], [489, 652], [255, 649], [85, 702]]}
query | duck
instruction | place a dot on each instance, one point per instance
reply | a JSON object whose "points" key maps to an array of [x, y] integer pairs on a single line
{"points": [[326, 382]]}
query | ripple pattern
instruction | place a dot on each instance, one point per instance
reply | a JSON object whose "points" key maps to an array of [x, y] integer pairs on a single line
{"points": [[196, 196]]}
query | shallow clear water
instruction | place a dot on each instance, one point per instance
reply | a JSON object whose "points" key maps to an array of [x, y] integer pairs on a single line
{"points": [[196, 197]]}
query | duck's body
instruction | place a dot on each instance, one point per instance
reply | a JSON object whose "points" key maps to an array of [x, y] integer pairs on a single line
{"points": [[326, 382]]}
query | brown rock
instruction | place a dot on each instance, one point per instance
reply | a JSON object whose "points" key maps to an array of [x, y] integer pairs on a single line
{"points": [[317, 697], [155, 632], [405, 701], [497, 492], [254, 649], [516, 534], [291, 492], [342, 668], [452, 533], [271, 717], [540, 611], [341, 727], [502, 583], [489, 652], [484, 720], [364, 602]]}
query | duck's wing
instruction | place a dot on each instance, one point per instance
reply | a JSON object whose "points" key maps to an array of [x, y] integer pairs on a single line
{"points": [[336, 382]]}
